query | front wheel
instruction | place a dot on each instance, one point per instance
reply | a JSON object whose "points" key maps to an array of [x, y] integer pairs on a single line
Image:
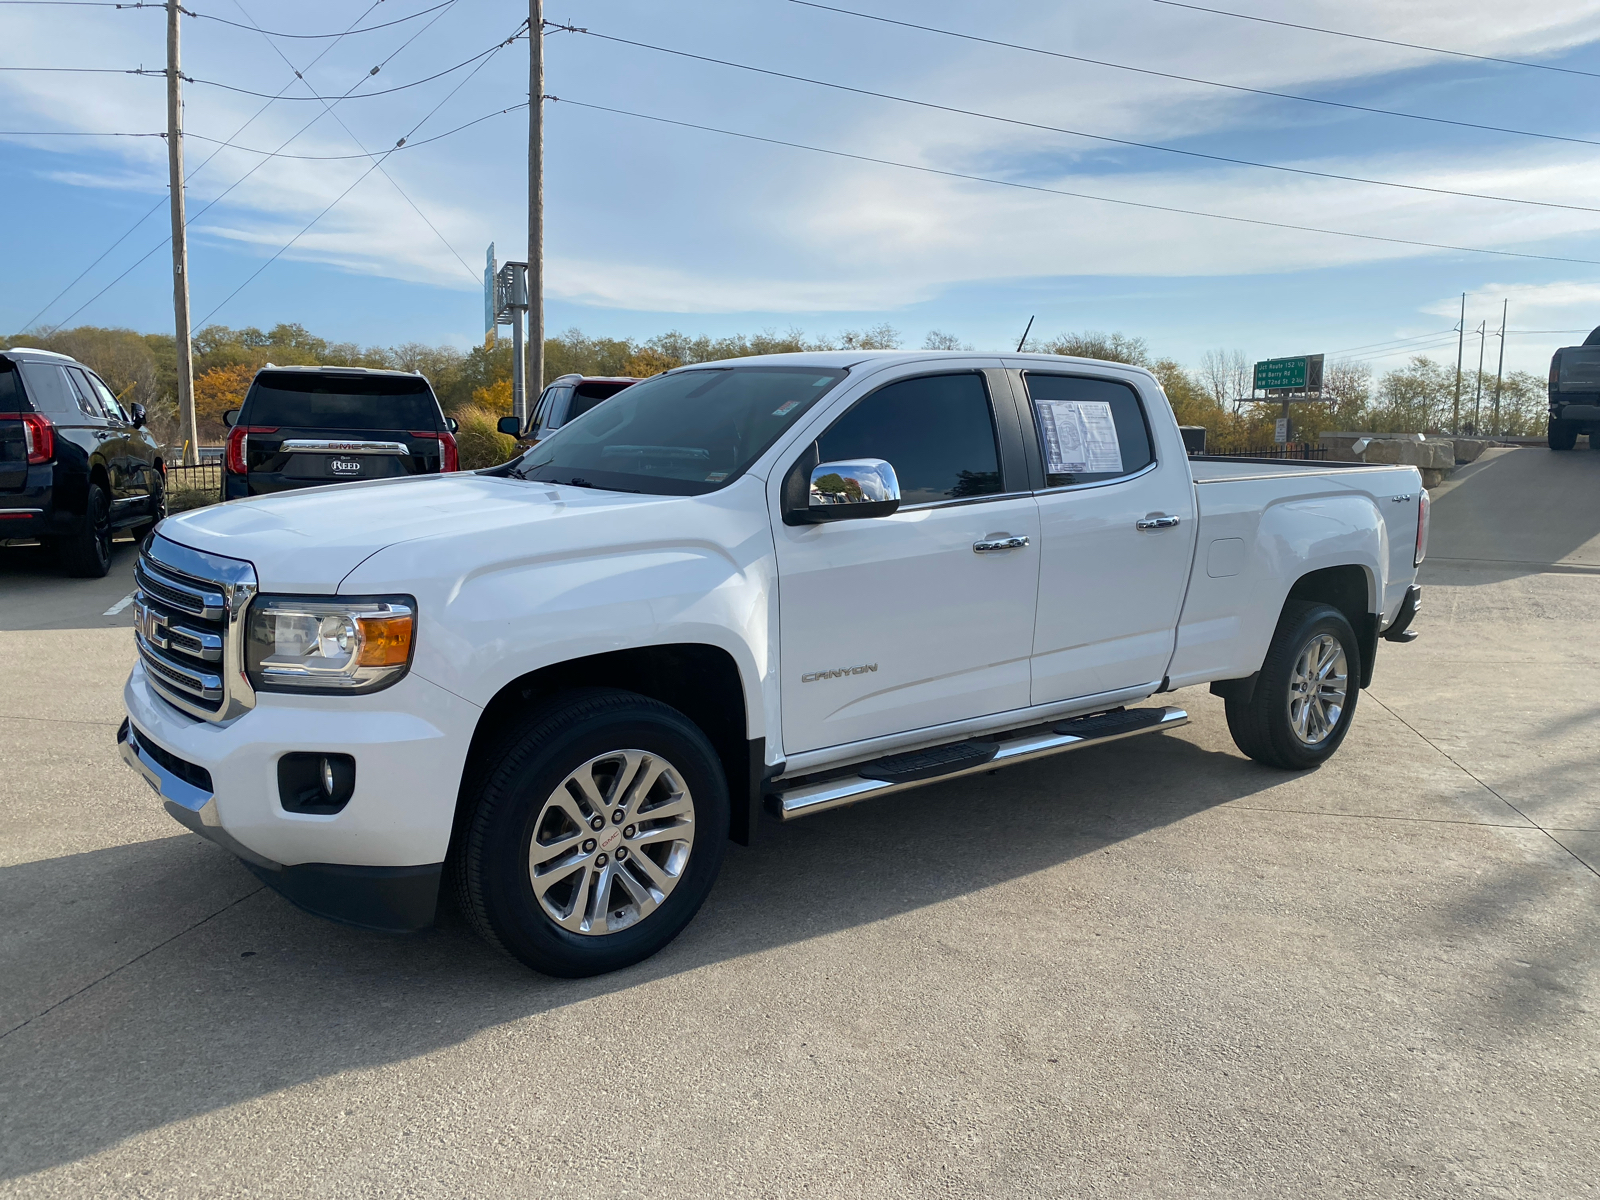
{"points": [[1561, 435], [1305, 694], [598, 832]]}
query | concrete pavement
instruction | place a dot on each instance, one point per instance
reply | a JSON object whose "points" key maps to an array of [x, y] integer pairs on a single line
{"points": [[1151, 968]]}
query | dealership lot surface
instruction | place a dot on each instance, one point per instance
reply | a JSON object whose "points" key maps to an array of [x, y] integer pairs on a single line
{"points": [[1153, 967]]}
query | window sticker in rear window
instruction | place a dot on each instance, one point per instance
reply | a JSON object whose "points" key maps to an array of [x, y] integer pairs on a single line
{"points": [[1080, 437]]}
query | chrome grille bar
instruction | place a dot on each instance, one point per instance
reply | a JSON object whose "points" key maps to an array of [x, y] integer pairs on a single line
{"points": [[198, 686], [207, 605], [188, 616]]}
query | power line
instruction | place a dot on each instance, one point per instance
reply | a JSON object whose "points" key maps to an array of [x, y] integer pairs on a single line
{"points": [[1232, 87], [157, 205], [969, 112], [228, 87], [69, 132], [1033, 187], [1421, 337], [1361, 37], [329, 108], [403, 144], [378, 162], [346, 33]]}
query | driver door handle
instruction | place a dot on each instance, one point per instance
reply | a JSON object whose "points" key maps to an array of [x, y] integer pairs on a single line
{"points": [[1157, 521], [991, 545]]}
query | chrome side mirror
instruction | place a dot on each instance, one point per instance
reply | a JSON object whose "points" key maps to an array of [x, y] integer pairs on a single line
{"points": [[846, 491]]}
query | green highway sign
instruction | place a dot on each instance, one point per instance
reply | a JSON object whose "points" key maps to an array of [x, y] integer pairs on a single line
{"points": [[1286, 373]]}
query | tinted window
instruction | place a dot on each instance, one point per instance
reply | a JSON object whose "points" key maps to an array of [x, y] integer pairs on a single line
{"points": [[108, 401], [48, 389], [936, 432], [588, 395], [11, 399], [1089, 429], [680, 434], [360, 402], [1580, 368]]}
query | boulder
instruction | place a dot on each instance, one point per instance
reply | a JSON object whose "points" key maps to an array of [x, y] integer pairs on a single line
{"points": [[1469, 449], [1432, 477]]}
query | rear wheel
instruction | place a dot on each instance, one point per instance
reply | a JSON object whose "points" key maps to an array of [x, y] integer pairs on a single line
{"points": [[87, 553], [1305, 694], [1562, 435], [599, 830]]}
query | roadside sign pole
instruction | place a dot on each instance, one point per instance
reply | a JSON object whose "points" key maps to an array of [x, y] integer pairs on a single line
{"points": [[180, 241], [535, 199], [1499, 371], [1477, 393], [1461, 341]]}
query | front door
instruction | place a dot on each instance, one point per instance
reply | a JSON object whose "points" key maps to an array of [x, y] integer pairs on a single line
{"points": [[1117, 532], [896, 623]]}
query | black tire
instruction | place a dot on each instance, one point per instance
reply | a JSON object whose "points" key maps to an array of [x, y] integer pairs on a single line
{"points": [[87, 553], [493, 876], [1562, 435], [1263, 728], [1594, 440], [157, 509]]}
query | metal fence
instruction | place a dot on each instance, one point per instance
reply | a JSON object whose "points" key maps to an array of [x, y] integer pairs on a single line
{"points": [[193, 487]]}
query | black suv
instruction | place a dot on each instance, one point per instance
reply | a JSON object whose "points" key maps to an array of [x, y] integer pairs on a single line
{"points": [[75, 466], [308, 426], [565, 399]]}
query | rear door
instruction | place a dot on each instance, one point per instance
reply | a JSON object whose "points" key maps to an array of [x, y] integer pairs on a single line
{"points": [[1117, 527]]}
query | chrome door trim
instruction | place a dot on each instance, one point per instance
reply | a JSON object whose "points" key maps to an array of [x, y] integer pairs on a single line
{"points": [[985, 499], [1158, 521], [1078, 487], [993, 545]]}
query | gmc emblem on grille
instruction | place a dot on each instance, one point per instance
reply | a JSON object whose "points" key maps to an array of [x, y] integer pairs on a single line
{"points": [[152, 626], [345, 466]]}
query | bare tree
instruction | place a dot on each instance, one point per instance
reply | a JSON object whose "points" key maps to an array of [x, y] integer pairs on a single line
{"points": [[937, 340], [1225, 374]]}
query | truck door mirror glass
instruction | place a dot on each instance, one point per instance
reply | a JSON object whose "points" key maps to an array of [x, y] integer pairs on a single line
{"points": [[454, 426], [229, 417], [508, 426], [844, 491]]}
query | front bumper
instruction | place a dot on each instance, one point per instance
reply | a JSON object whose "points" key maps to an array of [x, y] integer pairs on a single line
{"points": [[378, 861]]}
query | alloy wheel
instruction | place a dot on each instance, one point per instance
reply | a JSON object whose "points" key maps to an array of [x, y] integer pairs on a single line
{"points": [[1318, 688], [611, 842]]}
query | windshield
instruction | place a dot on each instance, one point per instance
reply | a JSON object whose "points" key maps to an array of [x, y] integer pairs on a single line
{"points": [[360, 402], [681, 434], [1581, 369]]}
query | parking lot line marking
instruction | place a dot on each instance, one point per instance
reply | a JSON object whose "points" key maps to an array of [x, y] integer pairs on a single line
{"points": [[119, 605]]}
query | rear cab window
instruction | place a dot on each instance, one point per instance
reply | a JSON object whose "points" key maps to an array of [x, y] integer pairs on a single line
{"points": [[1580, 369], [1090, 430]]}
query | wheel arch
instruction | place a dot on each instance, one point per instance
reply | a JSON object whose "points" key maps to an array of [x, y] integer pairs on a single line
{"points": [[700, 680], [1352, 589]]}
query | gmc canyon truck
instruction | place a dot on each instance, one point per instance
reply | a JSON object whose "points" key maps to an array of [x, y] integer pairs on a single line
{"points": [[735, 592]]}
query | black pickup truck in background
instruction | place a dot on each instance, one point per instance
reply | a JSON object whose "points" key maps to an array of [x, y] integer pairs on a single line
{"points": [[75, 466], [308, 426], [1575, 394]]}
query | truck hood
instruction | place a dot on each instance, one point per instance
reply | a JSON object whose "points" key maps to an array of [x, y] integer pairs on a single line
{"points": [[309, 540]]}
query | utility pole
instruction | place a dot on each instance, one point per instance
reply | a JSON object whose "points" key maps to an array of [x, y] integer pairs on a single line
{"points": [[1461, 340], [1499, 371], [180, 241], [535, 372], [1477, 394]]}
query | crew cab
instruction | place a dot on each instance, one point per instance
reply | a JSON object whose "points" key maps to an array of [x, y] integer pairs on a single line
{"points": [[75, 466], [303, 427], [737, 592], [1575, 394]]}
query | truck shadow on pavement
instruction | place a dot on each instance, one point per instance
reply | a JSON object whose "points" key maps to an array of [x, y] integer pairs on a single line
{"points": [[255, 996]]}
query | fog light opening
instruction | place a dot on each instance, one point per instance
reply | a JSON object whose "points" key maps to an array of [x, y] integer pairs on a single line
{"points": [[315, 784]]}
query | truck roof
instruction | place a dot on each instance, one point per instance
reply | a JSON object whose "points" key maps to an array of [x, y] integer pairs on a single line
{"points": [[836, 359]]}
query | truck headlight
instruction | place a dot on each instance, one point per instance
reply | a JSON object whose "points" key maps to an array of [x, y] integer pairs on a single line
{"points": [[332, 644]]}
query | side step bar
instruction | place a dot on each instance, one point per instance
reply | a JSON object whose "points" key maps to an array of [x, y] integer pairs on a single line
{"points": [[900, 772]]}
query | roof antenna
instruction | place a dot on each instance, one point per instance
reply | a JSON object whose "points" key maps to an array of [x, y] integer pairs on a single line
{"points": [[1023, 340]]}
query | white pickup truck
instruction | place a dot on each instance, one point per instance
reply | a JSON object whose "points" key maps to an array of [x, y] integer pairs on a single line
{"points": [[735, 592]]}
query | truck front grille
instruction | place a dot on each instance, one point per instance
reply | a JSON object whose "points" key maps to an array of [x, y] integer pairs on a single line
{"points": [[187, 625]]}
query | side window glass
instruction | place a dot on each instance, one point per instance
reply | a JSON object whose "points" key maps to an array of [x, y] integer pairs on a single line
{"points": [[87, 400], [1089, 429], [937, 432], [49, 390], [554, 417], [10, 389], [107, 400]]}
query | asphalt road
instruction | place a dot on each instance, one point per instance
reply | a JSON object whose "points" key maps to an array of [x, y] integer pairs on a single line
{"points": [[1149, 969]]}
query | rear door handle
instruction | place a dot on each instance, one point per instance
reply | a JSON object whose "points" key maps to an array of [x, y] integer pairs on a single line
{"points": [[1157, 521], [990, 545]]}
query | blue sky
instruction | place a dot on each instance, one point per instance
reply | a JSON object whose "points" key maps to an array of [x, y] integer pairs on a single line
{"points": [[653, 226]]}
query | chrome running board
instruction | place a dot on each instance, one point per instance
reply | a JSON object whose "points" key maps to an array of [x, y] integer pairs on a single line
{"points": [[847, 787]]}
